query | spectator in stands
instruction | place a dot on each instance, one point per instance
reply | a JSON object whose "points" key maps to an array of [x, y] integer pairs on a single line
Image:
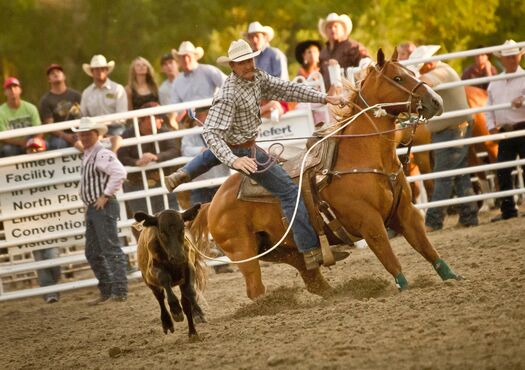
{"points": [[271, 60], [405, 49], [481, 68], [103, 96], [505, 120], [129, 156], [51, 275], [434, 74], [141, 87], [307, 55], [198, 81], [170, 68], [339, 48], [101, 177], [16, 113], [59, 104]]}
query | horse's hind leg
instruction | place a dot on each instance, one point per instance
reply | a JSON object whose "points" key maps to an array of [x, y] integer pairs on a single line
{"points": [[410, 223], [165, 318]]}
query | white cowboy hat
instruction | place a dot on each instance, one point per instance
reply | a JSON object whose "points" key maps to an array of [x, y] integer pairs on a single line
{"points": [[509, 52], [422, 51], [186, 47], [256, 27], [334, 17], [88, 124], [239, 50], [98, 61]]}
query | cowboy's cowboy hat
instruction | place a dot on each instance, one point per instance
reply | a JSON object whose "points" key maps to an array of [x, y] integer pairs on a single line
{"points": [[422, 51], [334, 17], [186, 47], [509, 52], [302, 46], [88, 124], [256, 27], [239, 50], [98, 61]]}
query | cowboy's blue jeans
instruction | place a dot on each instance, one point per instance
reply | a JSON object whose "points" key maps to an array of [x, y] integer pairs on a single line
{"points": [[277, 182], [450, 159], [103, 250]]}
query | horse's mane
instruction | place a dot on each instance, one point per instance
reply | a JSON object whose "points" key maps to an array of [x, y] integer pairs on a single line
{"points": [[350, 92]]}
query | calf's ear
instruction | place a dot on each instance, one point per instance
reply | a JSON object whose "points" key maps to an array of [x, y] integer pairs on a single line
{"points": [[191, 213], [148, 220]]}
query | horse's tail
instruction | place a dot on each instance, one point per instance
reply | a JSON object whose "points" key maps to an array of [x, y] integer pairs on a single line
{"points": [[199, 234]]}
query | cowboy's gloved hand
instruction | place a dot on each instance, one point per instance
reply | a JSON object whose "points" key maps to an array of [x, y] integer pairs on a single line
{"points": [[336, 100], [518, 102]]}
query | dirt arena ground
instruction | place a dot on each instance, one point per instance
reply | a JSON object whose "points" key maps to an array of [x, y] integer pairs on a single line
{"points": [[478, 323]]}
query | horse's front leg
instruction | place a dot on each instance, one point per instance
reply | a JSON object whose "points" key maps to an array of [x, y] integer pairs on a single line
{"points": [[240, 248], [165, 281], [409, 222], [375, 234]]}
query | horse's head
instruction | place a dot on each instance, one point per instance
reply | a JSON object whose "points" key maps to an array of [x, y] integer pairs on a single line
{"points": [[389, 82], [170, 236]]}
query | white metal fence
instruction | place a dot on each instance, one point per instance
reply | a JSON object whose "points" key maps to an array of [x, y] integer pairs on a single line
{"points": [[23, 246]]}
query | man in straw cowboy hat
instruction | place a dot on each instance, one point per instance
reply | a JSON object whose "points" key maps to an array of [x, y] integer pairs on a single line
{"points": [[339, 48], [101, 177], [435, 73], [270, 59], [511, 119], [197, 81], [103, 96], [230, 131]]}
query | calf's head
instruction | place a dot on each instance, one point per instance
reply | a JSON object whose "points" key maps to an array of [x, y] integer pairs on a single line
{"points": [[170, 230]]}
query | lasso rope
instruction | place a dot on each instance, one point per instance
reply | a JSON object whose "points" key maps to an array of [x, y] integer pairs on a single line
{"points": [[345, 122]]}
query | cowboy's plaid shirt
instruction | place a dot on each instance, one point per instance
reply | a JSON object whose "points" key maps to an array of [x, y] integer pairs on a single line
{"points": [[234, 117]]}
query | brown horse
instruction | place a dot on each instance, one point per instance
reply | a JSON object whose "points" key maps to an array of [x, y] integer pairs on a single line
{"points": [[362, 201]]}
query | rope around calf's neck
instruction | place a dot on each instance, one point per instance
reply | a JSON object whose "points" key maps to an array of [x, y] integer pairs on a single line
{"points": [[345, 122]]}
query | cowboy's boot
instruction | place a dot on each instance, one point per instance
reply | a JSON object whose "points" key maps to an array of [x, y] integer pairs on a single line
{"points": [[175, 179], [314, 258]]}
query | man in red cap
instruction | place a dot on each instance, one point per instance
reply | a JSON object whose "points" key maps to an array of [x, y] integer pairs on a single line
{"points": [[16, 113], [59, 104]]}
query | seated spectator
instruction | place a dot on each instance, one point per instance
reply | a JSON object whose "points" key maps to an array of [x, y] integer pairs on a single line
{"points": [[481, 68], [16, 113], [129, 156], [141, 87], [59, 104], [339, 49], [307, 55], [103, 97], [271, 60], [170, 69], [405, 49]]}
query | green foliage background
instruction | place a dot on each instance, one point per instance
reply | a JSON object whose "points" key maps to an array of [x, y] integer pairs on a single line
{"points": [[35, 33]]}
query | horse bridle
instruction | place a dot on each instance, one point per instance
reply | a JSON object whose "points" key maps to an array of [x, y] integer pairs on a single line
{"points": [[411, 93]]}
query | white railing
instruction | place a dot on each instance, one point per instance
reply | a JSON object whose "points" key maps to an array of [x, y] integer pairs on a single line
{"points": [[15, 268]]}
